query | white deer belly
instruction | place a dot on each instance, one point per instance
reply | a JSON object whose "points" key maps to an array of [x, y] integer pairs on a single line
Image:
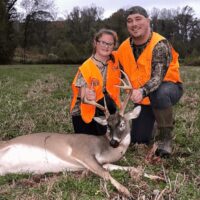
{"points": [[29, 159]]}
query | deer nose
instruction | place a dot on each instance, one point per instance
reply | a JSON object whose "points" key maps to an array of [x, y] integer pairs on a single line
{"points": [[114, 143]]}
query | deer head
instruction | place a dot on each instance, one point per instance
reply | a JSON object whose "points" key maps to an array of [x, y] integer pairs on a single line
{"points": [[118, 126]]}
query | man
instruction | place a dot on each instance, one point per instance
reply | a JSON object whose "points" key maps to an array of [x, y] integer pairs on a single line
{"points": [[152, 66]]}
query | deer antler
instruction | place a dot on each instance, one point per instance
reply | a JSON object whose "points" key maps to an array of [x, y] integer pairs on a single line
{"points": [[107, 113], [94, 103], [126, 86]]}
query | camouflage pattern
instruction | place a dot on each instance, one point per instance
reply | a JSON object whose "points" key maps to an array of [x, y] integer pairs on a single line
{"points": [[161, 59], [81, 83]]}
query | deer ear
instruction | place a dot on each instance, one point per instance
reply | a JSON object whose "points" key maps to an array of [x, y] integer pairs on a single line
{"points": [[101, 120], [133, 114]]}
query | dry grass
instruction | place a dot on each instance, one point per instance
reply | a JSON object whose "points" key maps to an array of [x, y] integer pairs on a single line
{"points": [[37, 99]]}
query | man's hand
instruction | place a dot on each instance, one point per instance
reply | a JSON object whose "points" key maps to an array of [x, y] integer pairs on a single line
{"points": [[136, 95]]}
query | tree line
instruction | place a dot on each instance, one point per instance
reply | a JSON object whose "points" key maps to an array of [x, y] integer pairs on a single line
{"points": [[33, 34]]}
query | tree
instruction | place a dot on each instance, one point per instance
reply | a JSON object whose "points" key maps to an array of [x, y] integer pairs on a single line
{"points": [[36, 12], [186, 29], [179, 26], [117, 22], [8, 41], [81, 25]]}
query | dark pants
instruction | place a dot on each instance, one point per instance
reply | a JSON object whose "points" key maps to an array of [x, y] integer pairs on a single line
{"points": [[93, 128], [142, 126], [167, 95]]}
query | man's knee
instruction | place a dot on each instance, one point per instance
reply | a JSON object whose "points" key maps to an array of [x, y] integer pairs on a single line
{"points": [[166, 95], [161, 98]]}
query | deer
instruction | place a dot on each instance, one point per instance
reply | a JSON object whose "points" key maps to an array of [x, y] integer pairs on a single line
{"points": [[40, 153]]}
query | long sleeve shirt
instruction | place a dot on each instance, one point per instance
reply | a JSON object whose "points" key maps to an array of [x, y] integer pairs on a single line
{"points": [[161, 59]]}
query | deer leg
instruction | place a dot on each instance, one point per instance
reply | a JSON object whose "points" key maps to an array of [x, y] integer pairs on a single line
{"points": [[111, 167], [96, 168], [122, 189]]}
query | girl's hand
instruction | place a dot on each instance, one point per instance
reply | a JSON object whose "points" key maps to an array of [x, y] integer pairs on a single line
{"points": [[88, 93]]}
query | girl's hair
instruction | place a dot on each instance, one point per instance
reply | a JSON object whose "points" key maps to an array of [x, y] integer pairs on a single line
{"points": [[99, 34]]}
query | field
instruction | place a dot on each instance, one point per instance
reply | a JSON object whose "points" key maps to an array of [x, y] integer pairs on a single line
{"points": [[36, 98]]}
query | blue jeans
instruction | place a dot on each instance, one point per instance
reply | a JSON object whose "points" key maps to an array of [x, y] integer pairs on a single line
{"points": [[167, 95]]}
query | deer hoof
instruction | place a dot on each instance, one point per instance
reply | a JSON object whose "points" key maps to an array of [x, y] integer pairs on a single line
{"points": [[125, 192]]}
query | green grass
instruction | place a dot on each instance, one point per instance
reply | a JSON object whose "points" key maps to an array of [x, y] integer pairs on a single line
{"points": [[36, 98]]}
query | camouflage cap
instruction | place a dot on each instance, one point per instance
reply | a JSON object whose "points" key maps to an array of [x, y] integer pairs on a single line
{"points": [[136, 10]]}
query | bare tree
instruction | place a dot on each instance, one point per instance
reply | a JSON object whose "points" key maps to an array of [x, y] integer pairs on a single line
{"points": [[185, 23], [34, 11], [186, 30], [8, 15]]}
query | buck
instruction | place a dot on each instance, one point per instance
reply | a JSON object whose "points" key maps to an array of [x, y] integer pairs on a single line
{"points": [[53, 152]]}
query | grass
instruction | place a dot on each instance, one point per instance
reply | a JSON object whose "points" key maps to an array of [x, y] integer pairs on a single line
{"points": [[36, 98]]}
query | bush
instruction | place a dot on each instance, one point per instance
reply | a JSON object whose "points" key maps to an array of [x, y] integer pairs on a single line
{"points": [[193, 61]]}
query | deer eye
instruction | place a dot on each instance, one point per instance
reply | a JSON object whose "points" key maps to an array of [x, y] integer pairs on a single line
{"points": [[122, 125]]}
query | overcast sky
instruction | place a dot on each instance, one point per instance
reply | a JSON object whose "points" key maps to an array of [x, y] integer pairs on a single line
{"points": [[111, 6]]}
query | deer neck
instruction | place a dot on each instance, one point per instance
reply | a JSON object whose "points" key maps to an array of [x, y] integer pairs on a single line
{"points": [[108, 136], [126, 140], [111, 154]]}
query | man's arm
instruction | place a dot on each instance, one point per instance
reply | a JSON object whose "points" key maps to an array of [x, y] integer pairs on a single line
{"points": [[161, 59]]}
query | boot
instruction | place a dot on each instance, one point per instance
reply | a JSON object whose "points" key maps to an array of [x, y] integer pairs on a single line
{"points": [[164, 140], [164, 119]]}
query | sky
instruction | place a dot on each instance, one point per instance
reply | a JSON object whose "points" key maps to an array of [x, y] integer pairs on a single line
{"points": [[110, 6]]}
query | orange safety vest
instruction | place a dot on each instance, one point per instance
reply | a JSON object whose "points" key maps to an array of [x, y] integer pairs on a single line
{"points": [[139, 72], [93, 77]]}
